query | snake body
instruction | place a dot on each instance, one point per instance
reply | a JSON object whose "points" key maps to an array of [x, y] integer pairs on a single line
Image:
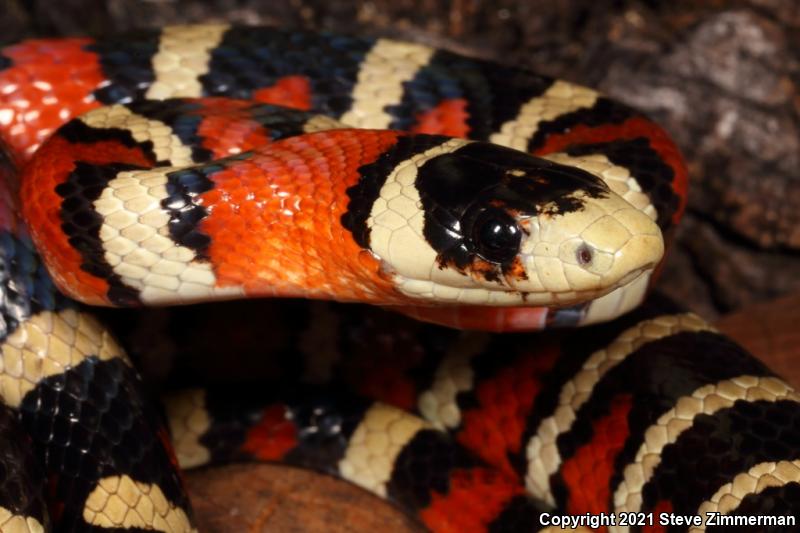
{"points": [[136, 191]]}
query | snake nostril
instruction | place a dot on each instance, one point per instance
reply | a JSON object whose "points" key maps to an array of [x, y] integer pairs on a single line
{"points": [[584, 254]]}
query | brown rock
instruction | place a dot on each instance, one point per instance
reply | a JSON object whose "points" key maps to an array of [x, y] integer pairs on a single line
{"points": [[770, 331], [256, 498], [712, 273]]}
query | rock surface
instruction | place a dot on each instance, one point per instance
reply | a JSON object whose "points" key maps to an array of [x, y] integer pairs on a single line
{"points": [[271, 498]]}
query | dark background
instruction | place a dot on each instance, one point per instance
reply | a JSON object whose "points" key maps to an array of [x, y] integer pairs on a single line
{"points": [[720, 76]]}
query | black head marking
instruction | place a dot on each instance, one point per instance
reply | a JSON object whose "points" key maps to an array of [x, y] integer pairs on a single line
{"points": [[473, 196]]}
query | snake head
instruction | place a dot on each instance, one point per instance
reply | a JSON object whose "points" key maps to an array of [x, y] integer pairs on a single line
{"points": [[476, 223]]}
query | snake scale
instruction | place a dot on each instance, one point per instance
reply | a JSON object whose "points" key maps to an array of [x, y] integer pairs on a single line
{"points": [[200, 163]]}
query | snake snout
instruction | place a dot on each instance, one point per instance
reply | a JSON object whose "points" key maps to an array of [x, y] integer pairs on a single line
{"points": [[584, 254], [615, 249]]}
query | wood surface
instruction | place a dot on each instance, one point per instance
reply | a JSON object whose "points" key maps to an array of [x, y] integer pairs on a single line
{"points": [[264, 498]]}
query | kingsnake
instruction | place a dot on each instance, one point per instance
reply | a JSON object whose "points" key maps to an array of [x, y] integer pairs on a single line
{"points": [[129, 204]]}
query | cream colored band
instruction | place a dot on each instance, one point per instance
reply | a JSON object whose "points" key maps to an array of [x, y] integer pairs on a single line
{"points": [[542, 450], [387, 66], [707, 400], [121, 502], [48, 344], [166, 145], [439, 405], [561, 98], [188, 420], [375, 445], [183, 56], [758, 478], [14, 523]]}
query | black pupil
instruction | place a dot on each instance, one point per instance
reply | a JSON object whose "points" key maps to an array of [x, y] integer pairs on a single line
{"points": [[497, 236]]}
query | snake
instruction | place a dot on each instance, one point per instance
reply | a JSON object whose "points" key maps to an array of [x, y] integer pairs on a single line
{"points": [[517, 221]]}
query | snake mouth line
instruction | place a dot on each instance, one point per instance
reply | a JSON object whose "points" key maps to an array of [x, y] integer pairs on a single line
{"points": [[439, 294]]}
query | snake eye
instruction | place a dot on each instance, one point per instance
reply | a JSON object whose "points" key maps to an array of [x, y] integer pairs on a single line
{"points": [[496, 236], [584, 255]]}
